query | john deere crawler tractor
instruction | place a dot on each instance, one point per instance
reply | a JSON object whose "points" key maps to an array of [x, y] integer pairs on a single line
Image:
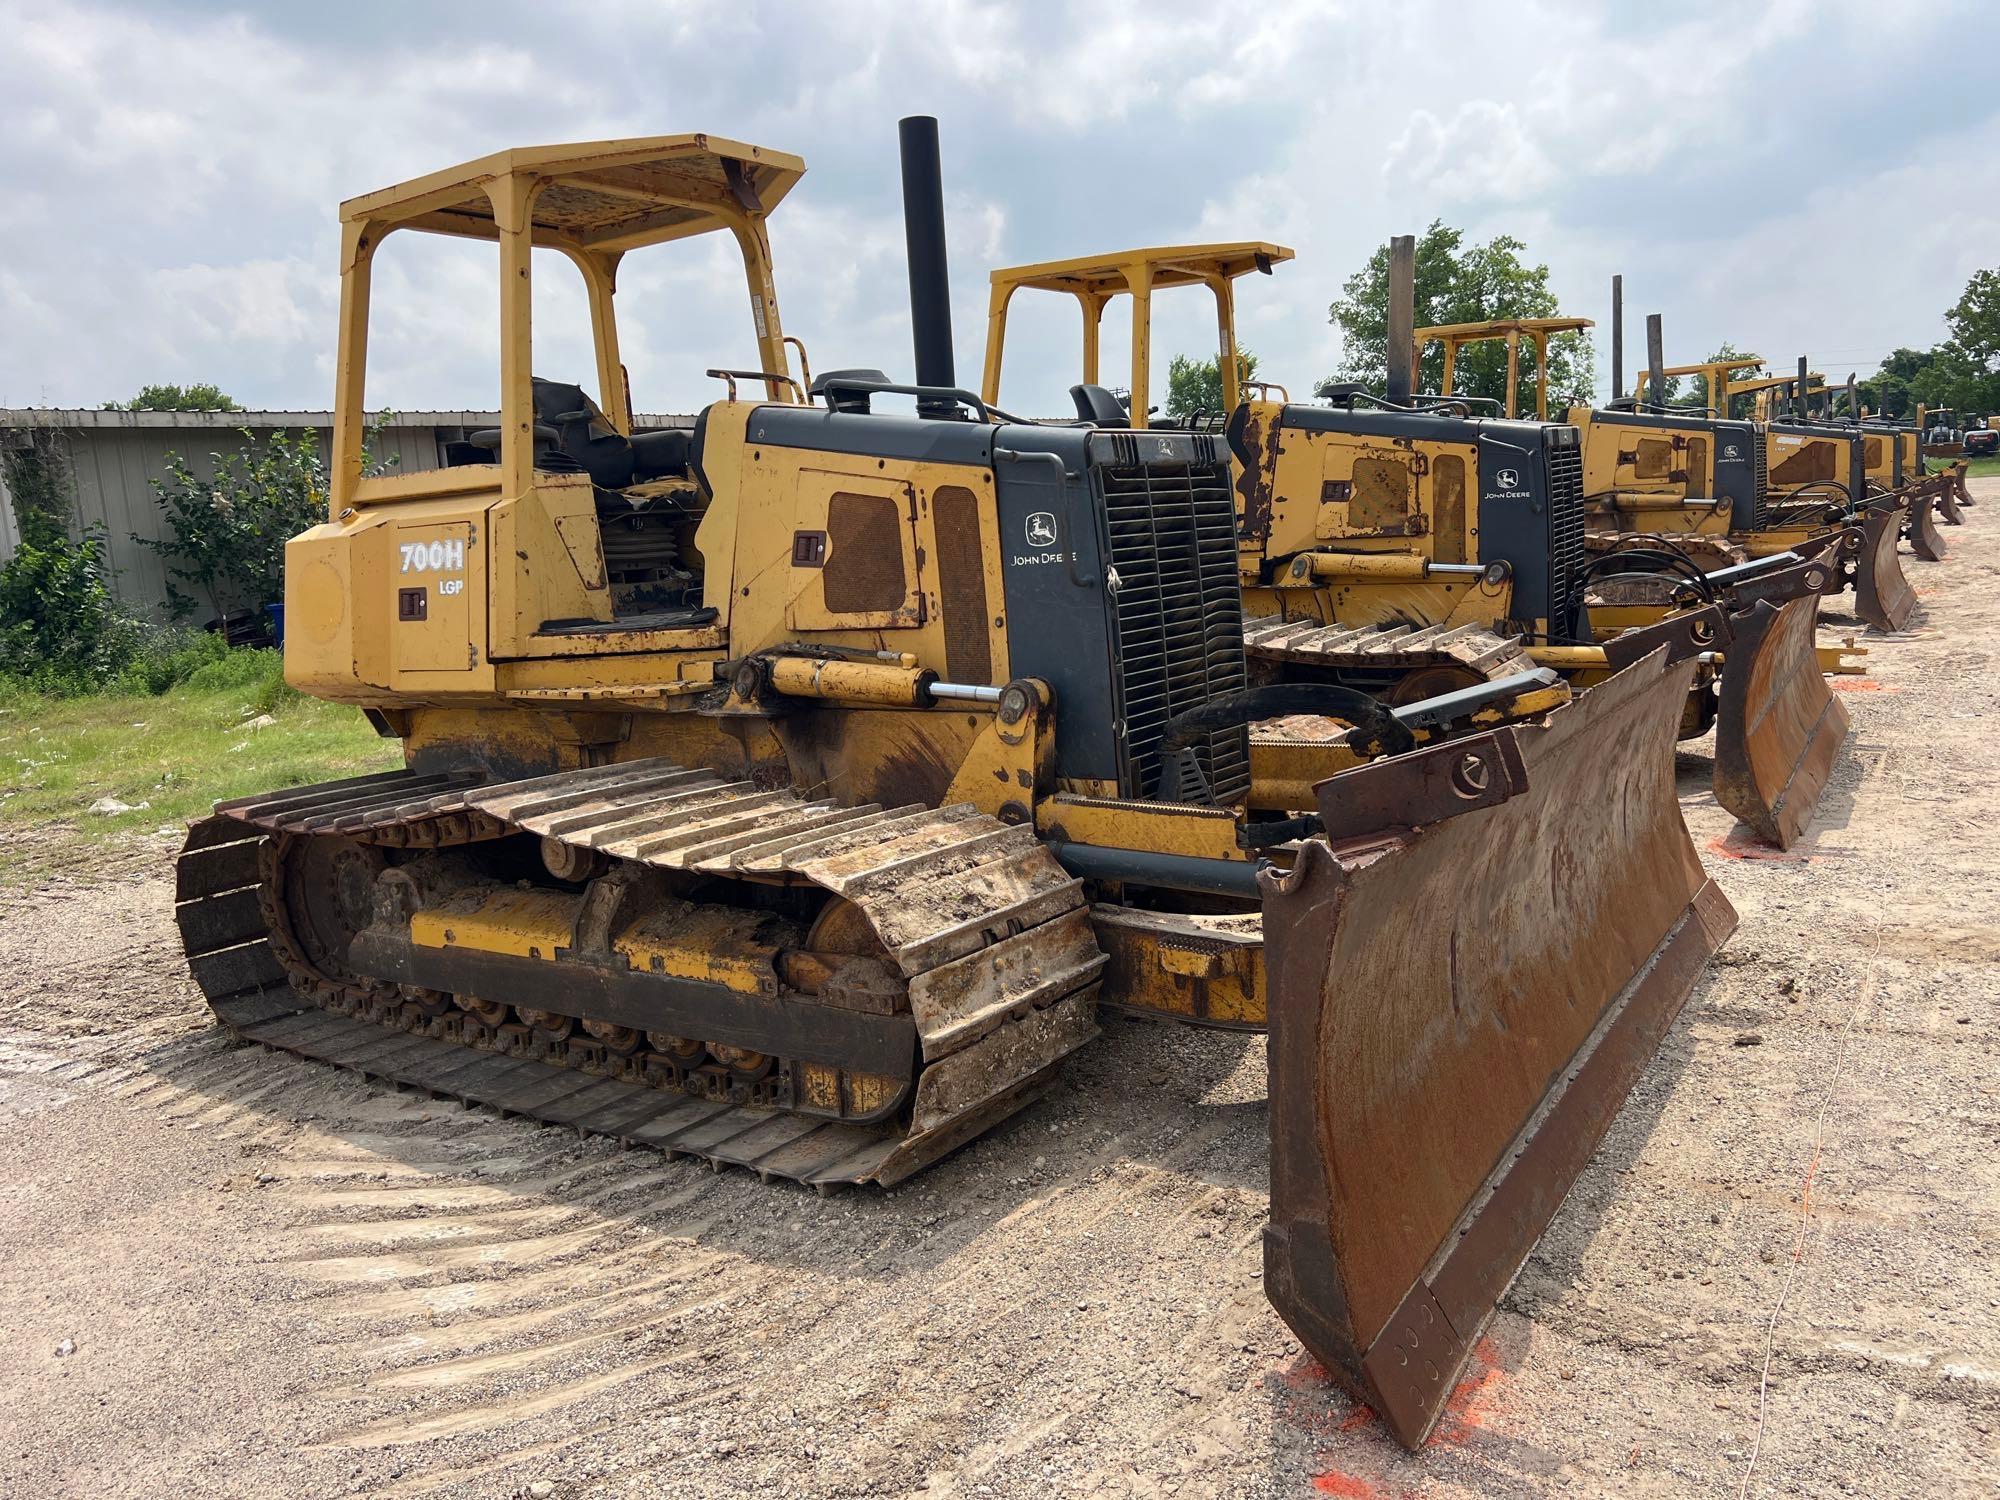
{"points": [[789, 791], [1414, 545]]}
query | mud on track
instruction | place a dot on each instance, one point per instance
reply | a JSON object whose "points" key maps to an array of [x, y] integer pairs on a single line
{"points": [[280, 1280]]}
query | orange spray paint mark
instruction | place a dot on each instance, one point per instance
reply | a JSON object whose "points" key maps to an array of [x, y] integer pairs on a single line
{"points": [[1729, 849], [1361, 1416], [1476, 1401], [1860, 685], [1354, 1487]]}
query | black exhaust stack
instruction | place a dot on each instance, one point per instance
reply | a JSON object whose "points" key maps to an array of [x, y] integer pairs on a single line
{"points": [[1656, 363], [1402, 375], [1617, 338], [930, 282], [1801, 402]]}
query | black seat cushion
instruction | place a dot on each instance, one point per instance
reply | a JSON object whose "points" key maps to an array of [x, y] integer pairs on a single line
{"points": [[583, 433], [657, 454]]}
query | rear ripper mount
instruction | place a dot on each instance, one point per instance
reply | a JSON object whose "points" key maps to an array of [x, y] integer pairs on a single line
{"points": [[936, 994]]}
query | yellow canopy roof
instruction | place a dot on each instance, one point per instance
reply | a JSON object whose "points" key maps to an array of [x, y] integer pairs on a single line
{"points": [[1171, 265], [605, 195], [1499, 328]]}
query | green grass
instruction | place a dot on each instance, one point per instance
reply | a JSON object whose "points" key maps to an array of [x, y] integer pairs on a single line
{"points": [[168, 757]]}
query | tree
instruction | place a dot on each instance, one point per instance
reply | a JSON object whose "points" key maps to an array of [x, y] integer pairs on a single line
{"points": [[177, 398], [1955, 379], [1460, 283], [1975, 320], [1692, 390], [226, 548], [59, 623], [1889, 391], [1195, 385]]}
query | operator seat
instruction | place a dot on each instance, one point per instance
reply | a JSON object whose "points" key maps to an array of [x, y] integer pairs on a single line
{"points": [[572, 433]]}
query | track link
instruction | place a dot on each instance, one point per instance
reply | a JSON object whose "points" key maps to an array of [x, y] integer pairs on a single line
{"points": [[991, 935], [1396, 648]]}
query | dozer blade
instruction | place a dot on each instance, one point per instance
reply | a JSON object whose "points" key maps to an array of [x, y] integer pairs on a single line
{"points": [[1777, 727], [1948, 496], [1882, 595], [1921, 527], [1459, 1005]]}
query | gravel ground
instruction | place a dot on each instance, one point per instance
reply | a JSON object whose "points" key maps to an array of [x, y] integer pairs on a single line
{"points": [[227, 1272]]}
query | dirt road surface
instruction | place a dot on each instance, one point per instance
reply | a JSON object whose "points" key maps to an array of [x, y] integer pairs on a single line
{"points": [[227, 1272]]}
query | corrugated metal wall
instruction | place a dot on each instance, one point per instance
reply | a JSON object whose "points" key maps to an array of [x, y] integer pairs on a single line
{"points": [[113, 470]]}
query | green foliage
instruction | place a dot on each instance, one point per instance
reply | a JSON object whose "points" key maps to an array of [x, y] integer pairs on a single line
{"points": [[226, 550], [1956, 379], [1889, 390], [1461, 283], [1195, 385], [177, 398], [60, 627], [169, 758], [62, 632], [38, 484], [1975, 320], [1692, 390]]}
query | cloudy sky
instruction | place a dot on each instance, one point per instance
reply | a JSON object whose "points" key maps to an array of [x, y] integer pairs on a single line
{"points": [[1804, 176]]}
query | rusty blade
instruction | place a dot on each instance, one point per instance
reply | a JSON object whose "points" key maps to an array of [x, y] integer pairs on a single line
{"points": [[1778, 729], [1948, 495], [1457, 1013], [1882, 595], [1921, 527]]}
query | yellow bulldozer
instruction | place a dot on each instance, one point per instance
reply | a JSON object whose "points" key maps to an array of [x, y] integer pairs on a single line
{"points": [[790, 791], [1415, 545]]}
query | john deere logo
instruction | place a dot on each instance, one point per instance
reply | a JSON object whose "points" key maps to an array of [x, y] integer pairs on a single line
{"points": [[1508, 479], [1730, 450], [1041, 529]]}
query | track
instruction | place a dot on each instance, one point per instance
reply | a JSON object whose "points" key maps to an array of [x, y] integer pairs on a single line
{"points": [[990, 937], [1401, 649]]}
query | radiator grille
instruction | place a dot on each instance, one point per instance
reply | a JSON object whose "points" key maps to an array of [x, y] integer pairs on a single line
{"points": [[1760, 483], [1171, 532], [1566, 555]]}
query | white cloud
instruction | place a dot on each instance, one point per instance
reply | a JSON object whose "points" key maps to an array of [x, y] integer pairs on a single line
{"points": [[167, 209]]}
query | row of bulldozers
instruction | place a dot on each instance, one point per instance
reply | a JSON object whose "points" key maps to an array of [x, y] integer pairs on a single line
{"points": [[795, 791]]}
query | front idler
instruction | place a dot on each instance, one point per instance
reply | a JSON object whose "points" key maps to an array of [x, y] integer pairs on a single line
{"points": [[1465, 983]]}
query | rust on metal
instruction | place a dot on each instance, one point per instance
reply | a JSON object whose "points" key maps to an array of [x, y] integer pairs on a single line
{"points": [[1778, 729], [1421, 787], [1256, 448], [1457, 1014], [1685, 634], [1921, 527], [1882, 595]]}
